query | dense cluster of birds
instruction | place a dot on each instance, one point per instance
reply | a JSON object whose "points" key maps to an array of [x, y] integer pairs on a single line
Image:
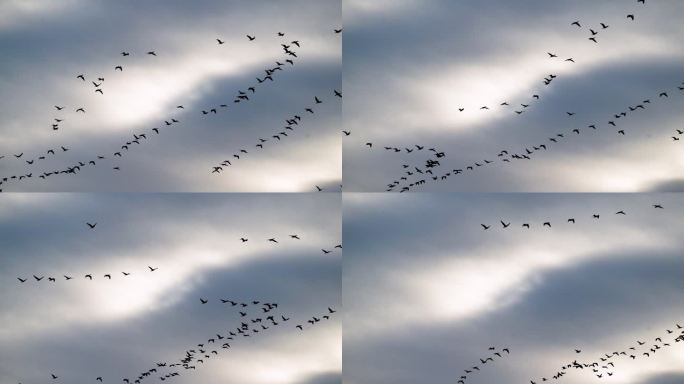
{"points": [[570, 220], [291, 123], [256, 318], [606, 364], [494, 353], [241, 96]]}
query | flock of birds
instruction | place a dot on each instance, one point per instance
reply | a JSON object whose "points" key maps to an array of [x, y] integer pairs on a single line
{"points": [[415, 175], [428, 171], [241, 96], [265, 320], [493, 354], [604, 366], [571, 220], [108, 276], [290, 124]]}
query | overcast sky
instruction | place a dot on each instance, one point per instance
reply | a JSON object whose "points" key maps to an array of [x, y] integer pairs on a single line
{"points": [[410, 65], [81, 329], [427, 290], [46, 44]]}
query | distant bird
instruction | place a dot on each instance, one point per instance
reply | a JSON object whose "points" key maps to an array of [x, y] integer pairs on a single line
{"points": [[295, 237], [593, 39], [346, 133], [630, 17], [203, 301], [125, 54], [243, 239], [220, 41], [658, 206], [53, 376], [21, 280], [251, 38], [152, 53], [620, 213], [370, 145], [120, 68], [273, 240], [577, 23], [88, 276], [108, 276], [337, 30], [325, 251], [551, 55], [604, 26], [152, 269], [91, 225], [526, 225], [571, 221], [546, 224], [486, 227], [337, 93], [505, 225]]}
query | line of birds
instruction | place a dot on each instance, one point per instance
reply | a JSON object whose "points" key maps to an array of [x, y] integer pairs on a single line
{"points": [[88, 276], [278, 136], [595, 216], [506, 156], [109, 276], [483, 361], [138, 138], [604, 366]]}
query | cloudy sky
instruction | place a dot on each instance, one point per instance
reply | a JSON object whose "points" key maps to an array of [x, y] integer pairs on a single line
{"points": [[427, 291], [410, 65], [46, 44], [118, 328]]}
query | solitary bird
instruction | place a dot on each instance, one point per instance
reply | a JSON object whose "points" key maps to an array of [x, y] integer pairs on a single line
{"points": [[251, 38], [152, 269], [91, 225]]}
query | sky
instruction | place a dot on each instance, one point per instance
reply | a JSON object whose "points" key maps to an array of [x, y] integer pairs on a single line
{"points": [[427, 291], [410, 65], [117, 328], [47, 44]]}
